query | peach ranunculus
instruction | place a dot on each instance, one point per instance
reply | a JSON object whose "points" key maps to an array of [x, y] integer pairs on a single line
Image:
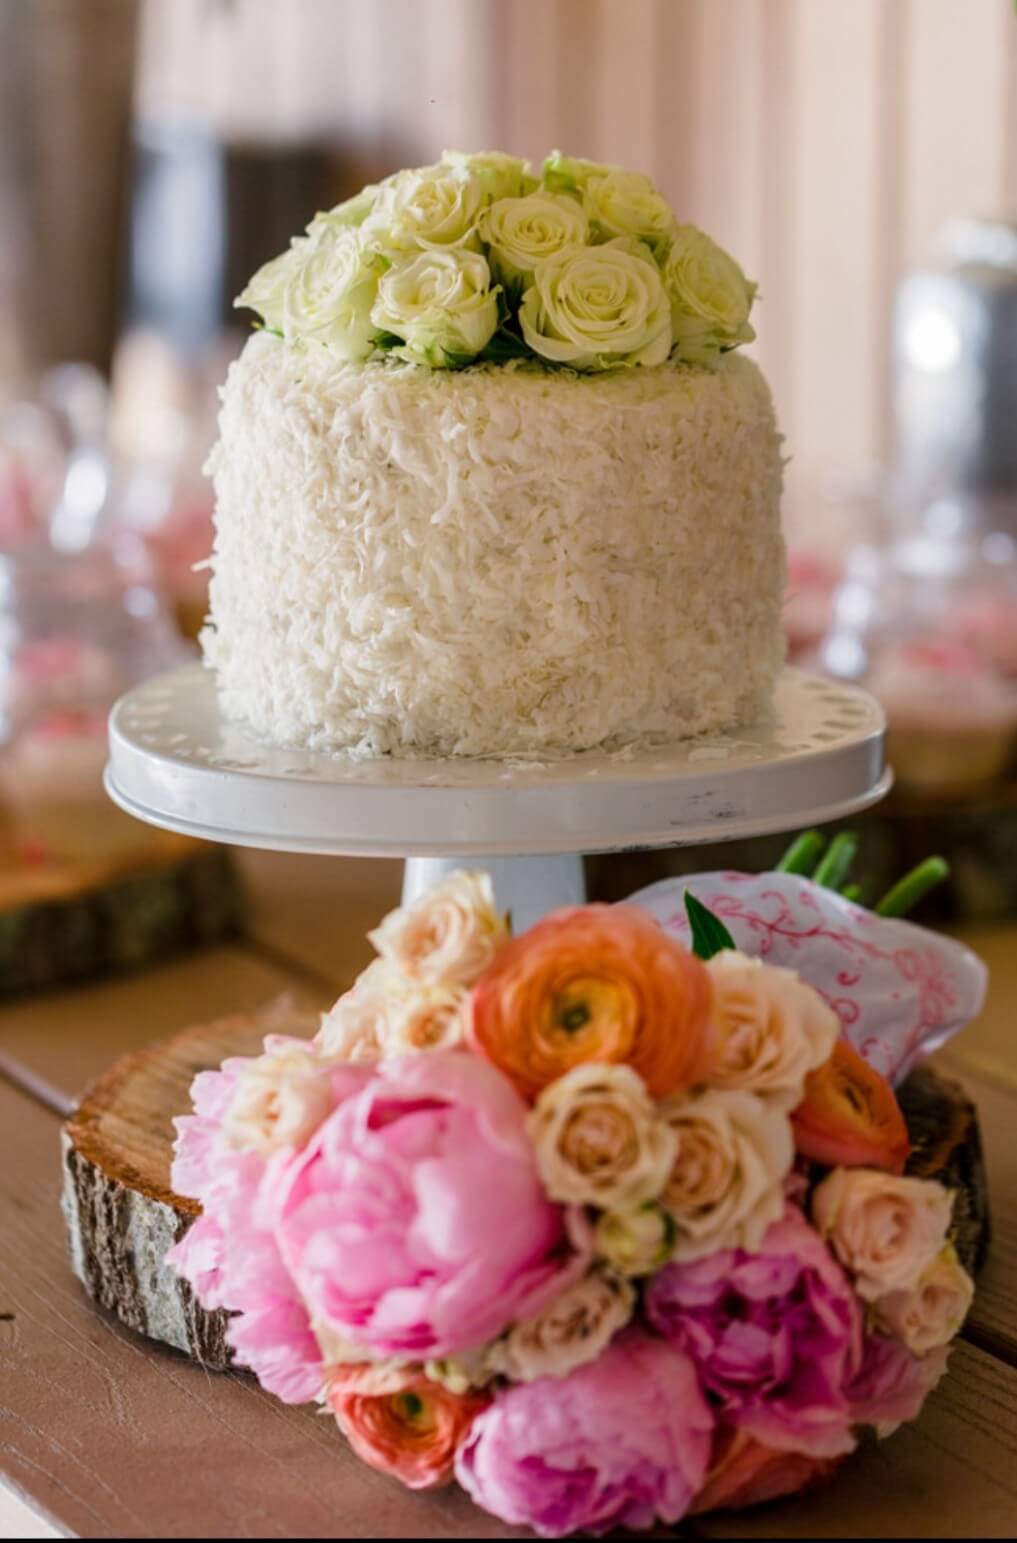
{"points": [[885, 1230], [599, 1139], [447, 937], [575, 1328], [745, 1473], [734, 1153], [594, 983], [932, 1312], [401, 1422], [849, 1116], [771, 1028]]}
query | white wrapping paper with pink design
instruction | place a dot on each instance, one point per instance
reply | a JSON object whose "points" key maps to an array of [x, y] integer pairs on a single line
{"points": [[899, 990]]}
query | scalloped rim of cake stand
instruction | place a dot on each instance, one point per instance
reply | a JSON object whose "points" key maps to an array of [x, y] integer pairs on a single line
{"points": [[175, 762]]}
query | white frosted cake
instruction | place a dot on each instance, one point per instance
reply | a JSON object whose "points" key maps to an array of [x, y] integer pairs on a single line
{"points": [[468, 508]]}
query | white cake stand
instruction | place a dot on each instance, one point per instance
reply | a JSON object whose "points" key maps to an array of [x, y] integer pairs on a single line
{"points": [[175, 763]]}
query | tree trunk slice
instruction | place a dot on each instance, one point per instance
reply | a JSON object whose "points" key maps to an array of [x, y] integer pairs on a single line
{"points": [[123, 1216], [64, 923]]}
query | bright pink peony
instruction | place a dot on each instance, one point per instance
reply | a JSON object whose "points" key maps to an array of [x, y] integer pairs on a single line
{"points": [[892, 1384], [745, 1473], [624, 1441], [228, 1258], [414, 1222], [775, 1336]]}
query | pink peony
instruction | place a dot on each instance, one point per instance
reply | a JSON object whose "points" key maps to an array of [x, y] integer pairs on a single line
{"points": [[622, 1442], [744, 1473], [892, 1384], [414, 1222], [229, 1259], [775, 1336]]}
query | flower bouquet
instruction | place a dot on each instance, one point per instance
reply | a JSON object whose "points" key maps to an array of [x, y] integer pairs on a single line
{"points": [[608, 1228]]}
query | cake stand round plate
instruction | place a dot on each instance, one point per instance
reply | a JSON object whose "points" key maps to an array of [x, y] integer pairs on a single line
{"points": [[175, 762]]}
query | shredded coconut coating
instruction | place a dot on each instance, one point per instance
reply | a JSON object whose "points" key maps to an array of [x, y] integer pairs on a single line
{"points": [[505, 560]]}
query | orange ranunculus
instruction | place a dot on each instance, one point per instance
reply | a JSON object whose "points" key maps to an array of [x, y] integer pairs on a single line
{"points": [[594, 983], [406, 1425], [745, 1472], [849, 1116]]}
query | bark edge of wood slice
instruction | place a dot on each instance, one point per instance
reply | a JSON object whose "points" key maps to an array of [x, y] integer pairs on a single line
{"points": [[123, 1217]]}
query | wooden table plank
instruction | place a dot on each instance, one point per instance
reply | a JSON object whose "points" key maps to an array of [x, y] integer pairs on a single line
{"points": [[66, 1039], [312, 913], [112, 1437]]}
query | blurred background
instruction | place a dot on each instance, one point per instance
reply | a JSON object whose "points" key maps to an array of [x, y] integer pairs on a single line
{"points": [[859, 159]]}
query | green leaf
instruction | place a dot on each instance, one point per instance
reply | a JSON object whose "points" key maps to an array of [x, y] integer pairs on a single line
{"points": [[709, 935], [388, 340], [504, 345]]}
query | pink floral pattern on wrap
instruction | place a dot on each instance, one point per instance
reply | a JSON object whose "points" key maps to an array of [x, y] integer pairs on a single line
{"points": [[899, 990]]}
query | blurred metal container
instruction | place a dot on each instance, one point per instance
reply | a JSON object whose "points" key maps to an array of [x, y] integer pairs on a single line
{"points": [[955, 365]]}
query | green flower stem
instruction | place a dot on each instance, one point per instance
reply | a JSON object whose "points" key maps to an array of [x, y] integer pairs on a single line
{"points": [[803, 853], [833, 870], [907, 892]]}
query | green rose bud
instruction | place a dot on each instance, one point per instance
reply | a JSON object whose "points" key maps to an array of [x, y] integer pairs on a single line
{"points": [[625, 203], [442, 306], [500, 176], [264, 292], [417, 210], [598, 306], [522, 232], [710, 297], [636, 1242], [329, 292], [569, 174]]}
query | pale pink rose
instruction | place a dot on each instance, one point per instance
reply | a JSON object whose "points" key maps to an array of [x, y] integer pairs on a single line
{"points": [[745, 1472], [933, 1311], [575, 1328], [771, 1029], [727, 1181], [622, 1442], [356, 1027], [599, 1139], [280, 1099], [428, 1019], [446, 938], [884, 1229], [414, 1223], [892, 1384]]}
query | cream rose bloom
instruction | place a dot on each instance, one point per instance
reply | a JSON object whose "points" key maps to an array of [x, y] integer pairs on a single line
{"points": [[522, 232], [446, 938], [352, 212], [626, 203], [431, 1018], [886, 1230], [280, 1099], [265, 290], [710, 296], [570, 173], [460, 1373], [499, 175], [599, 1140], [726, 1184], [442, 306], [635, 1242], [771, 1029], [357, 1026], [433, 207], [933, 1311], [573, 1330], [597, 307], [329, 291]]}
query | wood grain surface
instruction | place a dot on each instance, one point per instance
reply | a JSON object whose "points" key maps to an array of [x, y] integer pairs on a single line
{"points": [[112, 1436]]}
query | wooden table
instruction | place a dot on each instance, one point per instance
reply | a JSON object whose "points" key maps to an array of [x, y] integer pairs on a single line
{"points": [[103, 1434]]}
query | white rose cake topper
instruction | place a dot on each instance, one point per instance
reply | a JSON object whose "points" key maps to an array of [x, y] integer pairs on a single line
{"points": [[607, 1229], [479, 258]]}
